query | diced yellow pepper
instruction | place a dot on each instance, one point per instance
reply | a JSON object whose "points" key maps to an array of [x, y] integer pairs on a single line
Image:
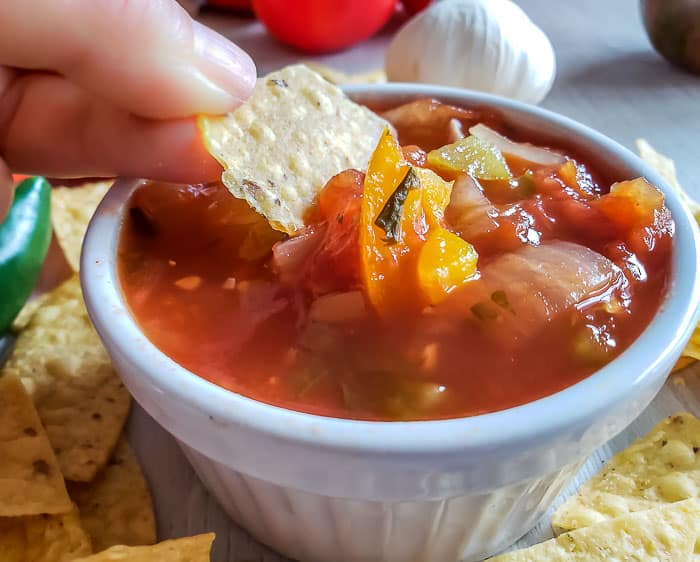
{"points": [[569, 173], [421, 262], [380, 265], [446, 262], [435, 194], [473, 156]]}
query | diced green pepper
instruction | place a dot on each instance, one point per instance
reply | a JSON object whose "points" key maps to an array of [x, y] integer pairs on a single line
{"points": [[524, 187], [473, 156], [25, 235]]}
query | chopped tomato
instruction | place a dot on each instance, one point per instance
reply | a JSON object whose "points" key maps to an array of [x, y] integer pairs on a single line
{"points": [[335, 267], [632, 203], [638, 209], [325, 257]]}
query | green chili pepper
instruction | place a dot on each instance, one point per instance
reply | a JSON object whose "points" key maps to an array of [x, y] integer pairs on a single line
{"points": [[25, 235]]}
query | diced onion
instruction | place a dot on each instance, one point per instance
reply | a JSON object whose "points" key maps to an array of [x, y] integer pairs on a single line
{"points": [[289, 256], [336, 308], [455, 130], [528, 152], [229, 283], [189, 283]]}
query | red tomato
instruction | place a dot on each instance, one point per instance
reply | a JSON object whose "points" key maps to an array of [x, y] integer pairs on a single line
{"points": [[415, 6], [323, 25]]}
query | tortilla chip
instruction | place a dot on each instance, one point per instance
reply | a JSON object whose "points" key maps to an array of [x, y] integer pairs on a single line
{"points": [[27, 312], [667, 533], [30, 480], [116, 507], [81, 401], [188, 549], [280, 148], [683, 362], [662, 467], [339, 77], [667, 170], [43, 538], [71, 211]]}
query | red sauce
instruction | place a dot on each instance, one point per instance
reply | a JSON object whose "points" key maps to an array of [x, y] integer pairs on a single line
{"points": [[196, 271]]}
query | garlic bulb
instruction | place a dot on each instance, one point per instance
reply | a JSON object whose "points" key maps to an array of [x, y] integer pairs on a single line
{"points": [[486, 45]]}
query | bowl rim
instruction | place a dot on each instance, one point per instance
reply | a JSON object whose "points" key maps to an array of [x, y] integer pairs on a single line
{"points": [[655, 349]]}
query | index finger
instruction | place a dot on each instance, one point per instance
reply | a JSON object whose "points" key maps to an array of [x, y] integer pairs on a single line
{"points": [[146, 56]]}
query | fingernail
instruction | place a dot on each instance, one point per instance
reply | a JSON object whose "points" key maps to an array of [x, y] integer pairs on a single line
{"points": [[224, 64]]}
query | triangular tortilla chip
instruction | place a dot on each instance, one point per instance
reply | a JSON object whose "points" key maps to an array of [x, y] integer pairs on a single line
{"points": [[43, 538], [280, 148], [667, 533], [667, 169], [71, 211], [116, 507], [81, 401], [662, 467], [338, 77], [188, 549], [30, 480]]}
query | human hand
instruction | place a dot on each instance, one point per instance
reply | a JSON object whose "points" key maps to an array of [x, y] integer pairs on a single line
{"points": [[110, 87]]}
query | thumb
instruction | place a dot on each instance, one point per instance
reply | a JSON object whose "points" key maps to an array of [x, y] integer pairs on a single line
{"points": [[7, 190]]}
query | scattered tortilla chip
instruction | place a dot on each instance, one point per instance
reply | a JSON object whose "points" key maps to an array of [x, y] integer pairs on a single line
{"points": [[30, 480], [661, 467], [71, 211], [116, 507], [81, 401], [43, 538], [683, 362], [666, 533], [339, 77], [27, 312], [188, 549], [667, 170], [280, 148]]}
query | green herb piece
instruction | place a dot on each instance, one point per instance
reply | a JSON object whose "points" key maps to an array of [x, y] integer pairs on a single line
{"points": [[389, 218], [484, 311], [306, 379], [405, 398], [524, 187]]}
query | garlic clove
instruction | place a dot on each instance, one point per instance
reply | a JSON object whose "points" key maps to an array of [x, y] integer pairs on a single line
{"points": [[485, 45]]}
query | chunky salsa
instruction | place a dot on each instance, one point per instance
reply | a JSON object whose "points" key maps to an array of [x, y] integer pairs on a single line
{"points": [[461, 273]]}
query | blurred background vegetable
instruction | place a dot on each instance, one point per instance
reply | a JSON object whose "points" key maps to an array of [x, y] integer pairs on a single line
{"points": [[320, 26], [673, 27], [486, 45], [25, 235], [415, 6]]}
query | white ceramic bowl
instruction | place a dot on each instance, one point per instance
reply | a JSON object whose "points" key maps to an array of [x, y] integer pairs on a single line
{"points": [[334, 490]]}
